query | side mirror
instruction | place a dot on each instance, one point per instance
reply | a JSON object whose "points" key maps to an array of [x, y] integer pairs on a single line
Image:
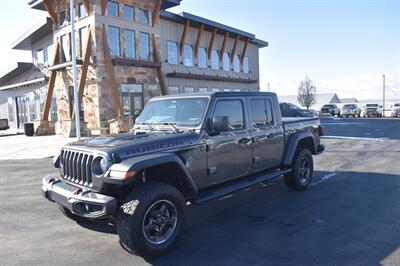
{"points": [[219, 124]]}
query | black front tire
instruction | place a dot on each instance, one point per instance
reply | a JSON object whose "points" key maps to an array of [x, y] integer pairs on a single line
{"points": [[134, 211], [297, 179]]}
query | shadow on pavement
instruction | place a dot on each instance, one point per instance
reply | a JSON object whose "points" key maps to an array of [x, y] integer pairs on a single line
{"points": [[349, 219]]}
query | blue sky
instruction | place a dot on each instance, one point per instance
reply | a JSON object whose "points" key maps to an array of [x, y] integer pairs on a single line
{"points": [[344, 46]]}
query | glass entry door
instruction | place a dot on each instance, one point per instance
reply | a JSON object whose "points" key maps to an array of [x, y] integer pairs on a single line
{"points": [[132, 100], [22, 110]]}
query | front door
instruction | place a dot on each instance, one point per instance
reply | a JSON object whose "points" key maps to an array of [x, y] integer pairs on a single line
{"points": [[22, 111], [132, 100], [268, 137], [229, 153]]}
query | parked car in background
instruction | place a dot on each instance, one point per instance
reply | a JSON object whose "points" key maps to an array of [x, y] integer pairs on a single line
{"points": [[4, 124], [330, 109], [396, 110], [372, 109], [351, 110], [291, 110]]}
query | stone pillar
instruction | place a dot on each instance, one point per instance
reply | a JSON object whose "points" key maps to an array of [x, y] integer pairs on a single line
{"points": [[43, 128], [69, 128], [120, 125]]}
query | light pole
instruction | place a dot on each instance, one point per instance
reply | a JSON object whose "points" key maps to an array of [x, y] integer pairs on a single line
{"points": [[75, 73], [268, 87], [383, 106]]}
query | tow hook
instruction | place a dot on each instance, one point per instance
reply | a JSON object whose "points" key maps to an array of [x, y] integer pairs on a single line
{"points": [[51, 180], [77, 191]]}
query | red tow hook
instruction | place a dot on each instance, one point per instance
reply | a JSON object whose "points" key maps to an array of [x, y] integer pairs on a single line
{"points": [[77, 191]]}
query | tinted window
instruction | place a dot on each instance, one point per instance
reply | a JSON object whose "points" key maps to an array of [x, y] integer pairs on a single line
{"points": [[233, 109], [172, 53], [144, 46], [143, 16], [129, 13], [226, 62], [214, 60], [246, 65], [130, 44], [236, 64], [112, 9], [261, 113], [188, 55], [113, 40], [202, 57]]}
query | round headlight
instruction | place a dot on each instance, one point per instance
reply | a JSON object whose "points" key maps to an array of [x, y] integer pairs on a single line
{"points": [[103, 164]]}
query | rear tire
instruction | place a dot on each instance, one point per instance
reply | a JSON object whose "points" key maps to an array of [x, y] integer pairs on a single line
{"points": [[149, 221], [302, 171]]}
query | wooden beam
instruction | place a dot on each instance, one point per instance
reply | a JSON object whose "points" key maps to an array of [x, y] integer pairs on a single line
{"points": [[52, 81], [84, 70], [234, 49], [86, 5], [211, 45], [51, 12], [244, 51], [157, 59], [104, 7], [183, 38], [223, 48], [156, 12], [198, 40], [111, 77]]}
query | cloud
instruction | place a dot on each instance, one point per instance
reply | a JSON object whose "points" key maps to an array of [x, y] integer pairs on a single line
{"points": [[365, 86]]}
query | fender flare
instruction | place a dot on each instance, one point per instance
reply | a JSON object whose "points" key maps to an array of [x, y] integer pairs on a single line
{"points": [[139, 163], [292, 144]]}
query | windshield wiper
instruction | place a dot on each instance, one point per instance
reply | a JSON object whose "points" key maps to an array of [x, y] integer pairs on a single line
{"points": [[173, 126]]}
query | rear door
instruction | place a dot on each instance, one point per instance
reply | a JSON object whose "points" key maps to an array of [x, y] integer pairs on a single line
{"points": [[229, 154], [267, 134]]}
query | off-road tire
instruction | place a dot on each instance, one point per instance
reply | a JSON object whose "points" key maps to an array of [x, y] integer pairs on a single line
{"points": [[292, 179], [131, 214]]}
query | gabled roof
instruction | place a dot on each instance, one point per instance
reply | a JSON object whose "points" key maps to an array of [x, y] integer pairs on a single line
{"points": [[34, 35], [348, 100], [210, 25], [14, 71], [38, 4], [320, 99]]}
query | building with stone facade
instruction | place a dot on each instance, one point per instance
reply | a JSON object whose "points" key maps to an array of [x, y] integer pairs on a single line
{"points": [[132, 50]]}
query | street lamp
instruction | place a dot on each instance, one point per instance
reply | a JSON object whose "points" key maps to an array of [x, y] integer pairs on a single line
{"points": [[75, 73], [383, 106]]}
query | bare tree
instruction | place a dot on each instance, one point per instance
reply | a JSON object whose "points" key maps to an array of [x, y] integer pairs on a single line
{"points": [[306, 96]]}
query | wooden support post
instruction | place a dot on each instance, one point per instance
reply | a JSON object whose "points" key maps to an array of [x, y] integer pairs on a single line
{"points": [[156, 12], [157, 59], [223, 48], [51, 12], [244, 51], [103, 7], [198, 41], [86, 5], [234, 49], [183, 38], [111, 77], [85, 67], [52, 81], [211, 45]]}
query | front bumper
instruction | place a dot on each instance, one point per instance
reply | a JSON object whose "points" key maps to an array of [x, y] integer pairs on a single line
{"points": [[82, 202]]}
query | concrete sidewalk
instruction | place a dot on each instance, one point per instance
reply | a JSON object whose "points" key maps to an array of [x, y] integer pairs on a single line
{"points": [[19, 147]]}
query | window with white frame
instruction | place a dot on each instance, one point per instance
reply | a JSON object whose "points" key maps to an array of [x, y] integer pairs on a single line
{"points": [[189, 90], [188, 55], [144, 16], [82, 11], [246, 65], [214, 60], [129, 13], [172, 48], [62, 18], [130, 44], [49, 50], [113, 9], [203, 89], [202, 57], [226, 62], [144, 46], [40, 56], [113, 41], [10, 110], [65, 48], [236, 63], [173, 90], [215, 90]]}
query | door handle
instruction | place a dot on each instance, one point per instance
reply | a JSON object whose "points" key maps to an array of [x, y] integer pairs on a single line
{"points": [[245, 141]]}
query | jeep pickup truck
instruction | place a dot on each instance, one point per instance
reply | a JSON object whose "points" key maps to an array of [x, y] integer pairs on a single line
{"points": [[183, 149]]}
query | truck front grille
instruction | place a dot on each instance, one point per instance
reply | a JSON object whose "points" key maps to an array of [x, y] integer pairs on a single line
{"points": [[77, 167]]}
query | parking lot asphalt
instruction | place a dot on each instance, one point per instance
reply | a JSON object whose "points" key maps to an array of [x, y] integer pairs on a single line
{"points": [[349, 216]]}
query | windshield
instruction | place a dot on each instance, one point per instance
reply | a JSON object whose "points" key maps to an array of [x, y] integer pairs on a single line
{"points": [[328, 106], [187, 112], [397, 105], [350, 106], [371, 105]]}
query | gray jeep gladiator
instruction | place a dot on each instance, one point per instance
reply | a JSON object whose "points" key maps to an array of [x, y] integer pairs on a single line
{"points": [[183, 149]]}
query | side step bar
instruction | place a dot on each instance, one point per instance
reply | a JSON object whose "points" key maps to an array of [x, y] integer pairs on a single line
{"points": [[224, 189]]}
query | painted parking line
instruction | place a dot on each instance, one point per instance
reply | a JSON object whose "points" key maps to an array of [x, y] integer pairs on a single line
{"points": [[354, 138], [324, 178]]}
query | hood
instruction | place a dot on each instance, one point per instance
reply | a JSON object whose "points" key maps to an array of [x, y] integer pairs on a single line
{"points": [[132, 144]]}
